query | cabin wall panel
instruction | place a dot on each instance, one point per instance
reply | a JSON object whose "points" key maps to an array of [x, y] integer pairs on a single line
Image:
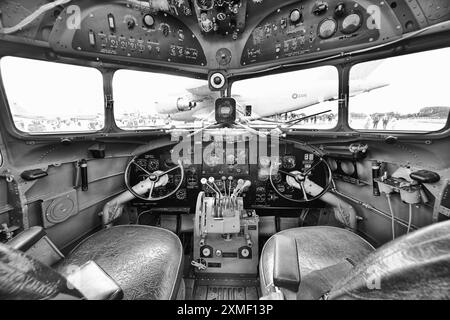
{"points": [[415, 154]]}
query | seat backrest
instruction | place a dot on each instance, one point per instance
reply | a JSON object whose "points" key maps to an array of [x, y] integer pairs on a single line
{"points": [[414, 266], [25, 278]]}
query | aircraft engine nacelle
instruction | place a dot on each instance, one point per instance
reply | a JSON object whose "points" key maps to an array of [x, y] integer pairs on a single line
{"points": [[174, 105]]}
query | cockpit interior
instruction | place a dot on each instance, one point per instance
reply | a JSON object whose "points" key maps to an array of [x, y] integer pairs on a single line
{"points": [[224, 149]]}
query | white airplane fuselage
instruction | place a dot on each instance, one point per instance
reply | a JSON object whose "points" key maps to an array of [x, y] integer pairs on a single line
{"points": [[281, 100]]}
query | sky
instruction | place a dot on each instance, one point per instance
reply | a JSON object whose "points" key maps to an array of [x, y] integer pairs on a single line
{"points": [[415, 81], [49, 89]]}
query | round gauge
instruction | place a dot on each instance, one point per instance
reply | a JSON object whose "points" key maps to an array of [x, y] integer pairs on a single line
{"points": [[276, 177], [333, 164], [142, 163], [295, 16], [181, 194], [348, 167], [327, 28], [281, 187], [205, 4], [289, 162], [153, 164], [351, 23]]}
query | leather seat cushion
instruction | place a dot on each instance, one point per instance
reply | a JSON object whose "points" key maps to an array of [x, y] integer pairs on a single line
{"points": [[145, 261], [318, 248]]}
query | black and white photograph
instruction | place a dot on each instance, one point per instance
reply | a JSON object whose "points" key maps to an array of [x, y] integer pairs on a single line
{"points": [[238, 157]]}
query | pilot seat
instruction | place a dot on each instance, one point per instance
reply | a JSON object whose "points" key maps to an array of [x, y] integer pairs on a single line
{"points": [[122, 262], [312, 263]]}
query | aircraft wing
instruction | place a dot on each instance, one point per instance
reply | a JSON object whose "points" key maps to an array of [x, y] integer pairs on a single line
{"points": [[202, 92]]}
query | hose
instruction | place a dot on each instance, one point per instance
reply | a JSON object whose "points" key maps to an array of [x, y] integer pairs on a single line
{"points": [[388, 196], [409, 218], [43, 9]]}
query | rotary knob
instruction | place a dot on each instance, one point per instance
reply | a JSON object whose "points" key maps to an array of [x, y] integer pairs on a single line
{"points": [[130, 23], [295, 16], [206, 252], [245, 253], [148, 20]]}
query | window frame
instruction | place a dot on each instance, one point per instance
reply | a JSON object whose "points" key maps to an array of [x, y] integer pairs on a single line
{"points": [[441, 132], [150, 131], [339, 71], [11, 124]]}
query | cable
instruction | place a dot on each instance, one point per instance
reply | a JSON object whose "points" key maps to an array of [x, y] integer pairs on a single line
{"points": [[29, 19], [410, 218], [388, 196]]}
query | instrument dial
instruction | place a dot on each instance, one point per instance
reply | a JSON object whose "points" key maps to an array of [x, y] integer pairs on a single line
{"points": [[142, 163], [351, 23], [289, 162], [295, 16], [276, 177], [153, 164], [181, 194], [327, 28]]}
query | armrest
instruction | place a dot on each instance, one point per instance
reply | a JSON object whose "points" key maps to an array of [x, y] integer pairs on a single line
{"points": [[27, 238], [94, 283], [425, 176], [286, 270]]}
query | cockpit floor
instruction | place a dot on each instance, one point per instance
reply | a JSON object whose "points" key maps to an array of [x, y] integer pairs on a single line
{"points": [[225, 289], [225, 293]]}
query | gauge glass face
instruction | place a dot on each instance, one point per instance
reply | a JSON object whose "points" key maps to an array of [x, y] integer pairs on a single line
{"points": [[289, 162], [333, 164], [348, 168], [153, 164], [351, 23], [327, 28]]}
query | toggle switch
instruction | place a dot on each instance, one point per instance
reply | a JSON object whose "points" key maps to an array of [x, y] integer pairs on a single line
{"points": [[111, 22]]}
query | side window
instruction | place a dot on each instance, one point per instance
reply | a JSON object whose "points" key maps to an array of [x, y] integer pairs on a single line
{"points": [[47, 97], [406, 93]]}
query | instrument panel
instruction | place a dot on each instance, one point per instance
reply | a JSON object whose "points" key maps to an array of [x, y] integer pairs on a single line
{"points": [[137, 32], [227, 34], [310, 26], [226, 169]]}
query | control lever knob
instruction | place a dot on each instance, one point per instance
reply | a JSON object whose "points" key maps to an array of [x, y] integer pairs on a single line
{"points": [[211, 179], [203, 181], [247, 184]]}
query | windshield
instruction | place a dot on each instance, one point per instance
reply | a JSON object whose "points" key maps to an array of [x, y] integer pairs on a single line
{"points": [[161, 100], [304, 99], [300, 99]]}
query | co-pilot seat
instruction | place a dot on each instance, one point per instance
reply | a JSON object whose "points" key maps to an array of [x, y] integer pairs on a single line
{"points": [[128, 261], [332, 263]]}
